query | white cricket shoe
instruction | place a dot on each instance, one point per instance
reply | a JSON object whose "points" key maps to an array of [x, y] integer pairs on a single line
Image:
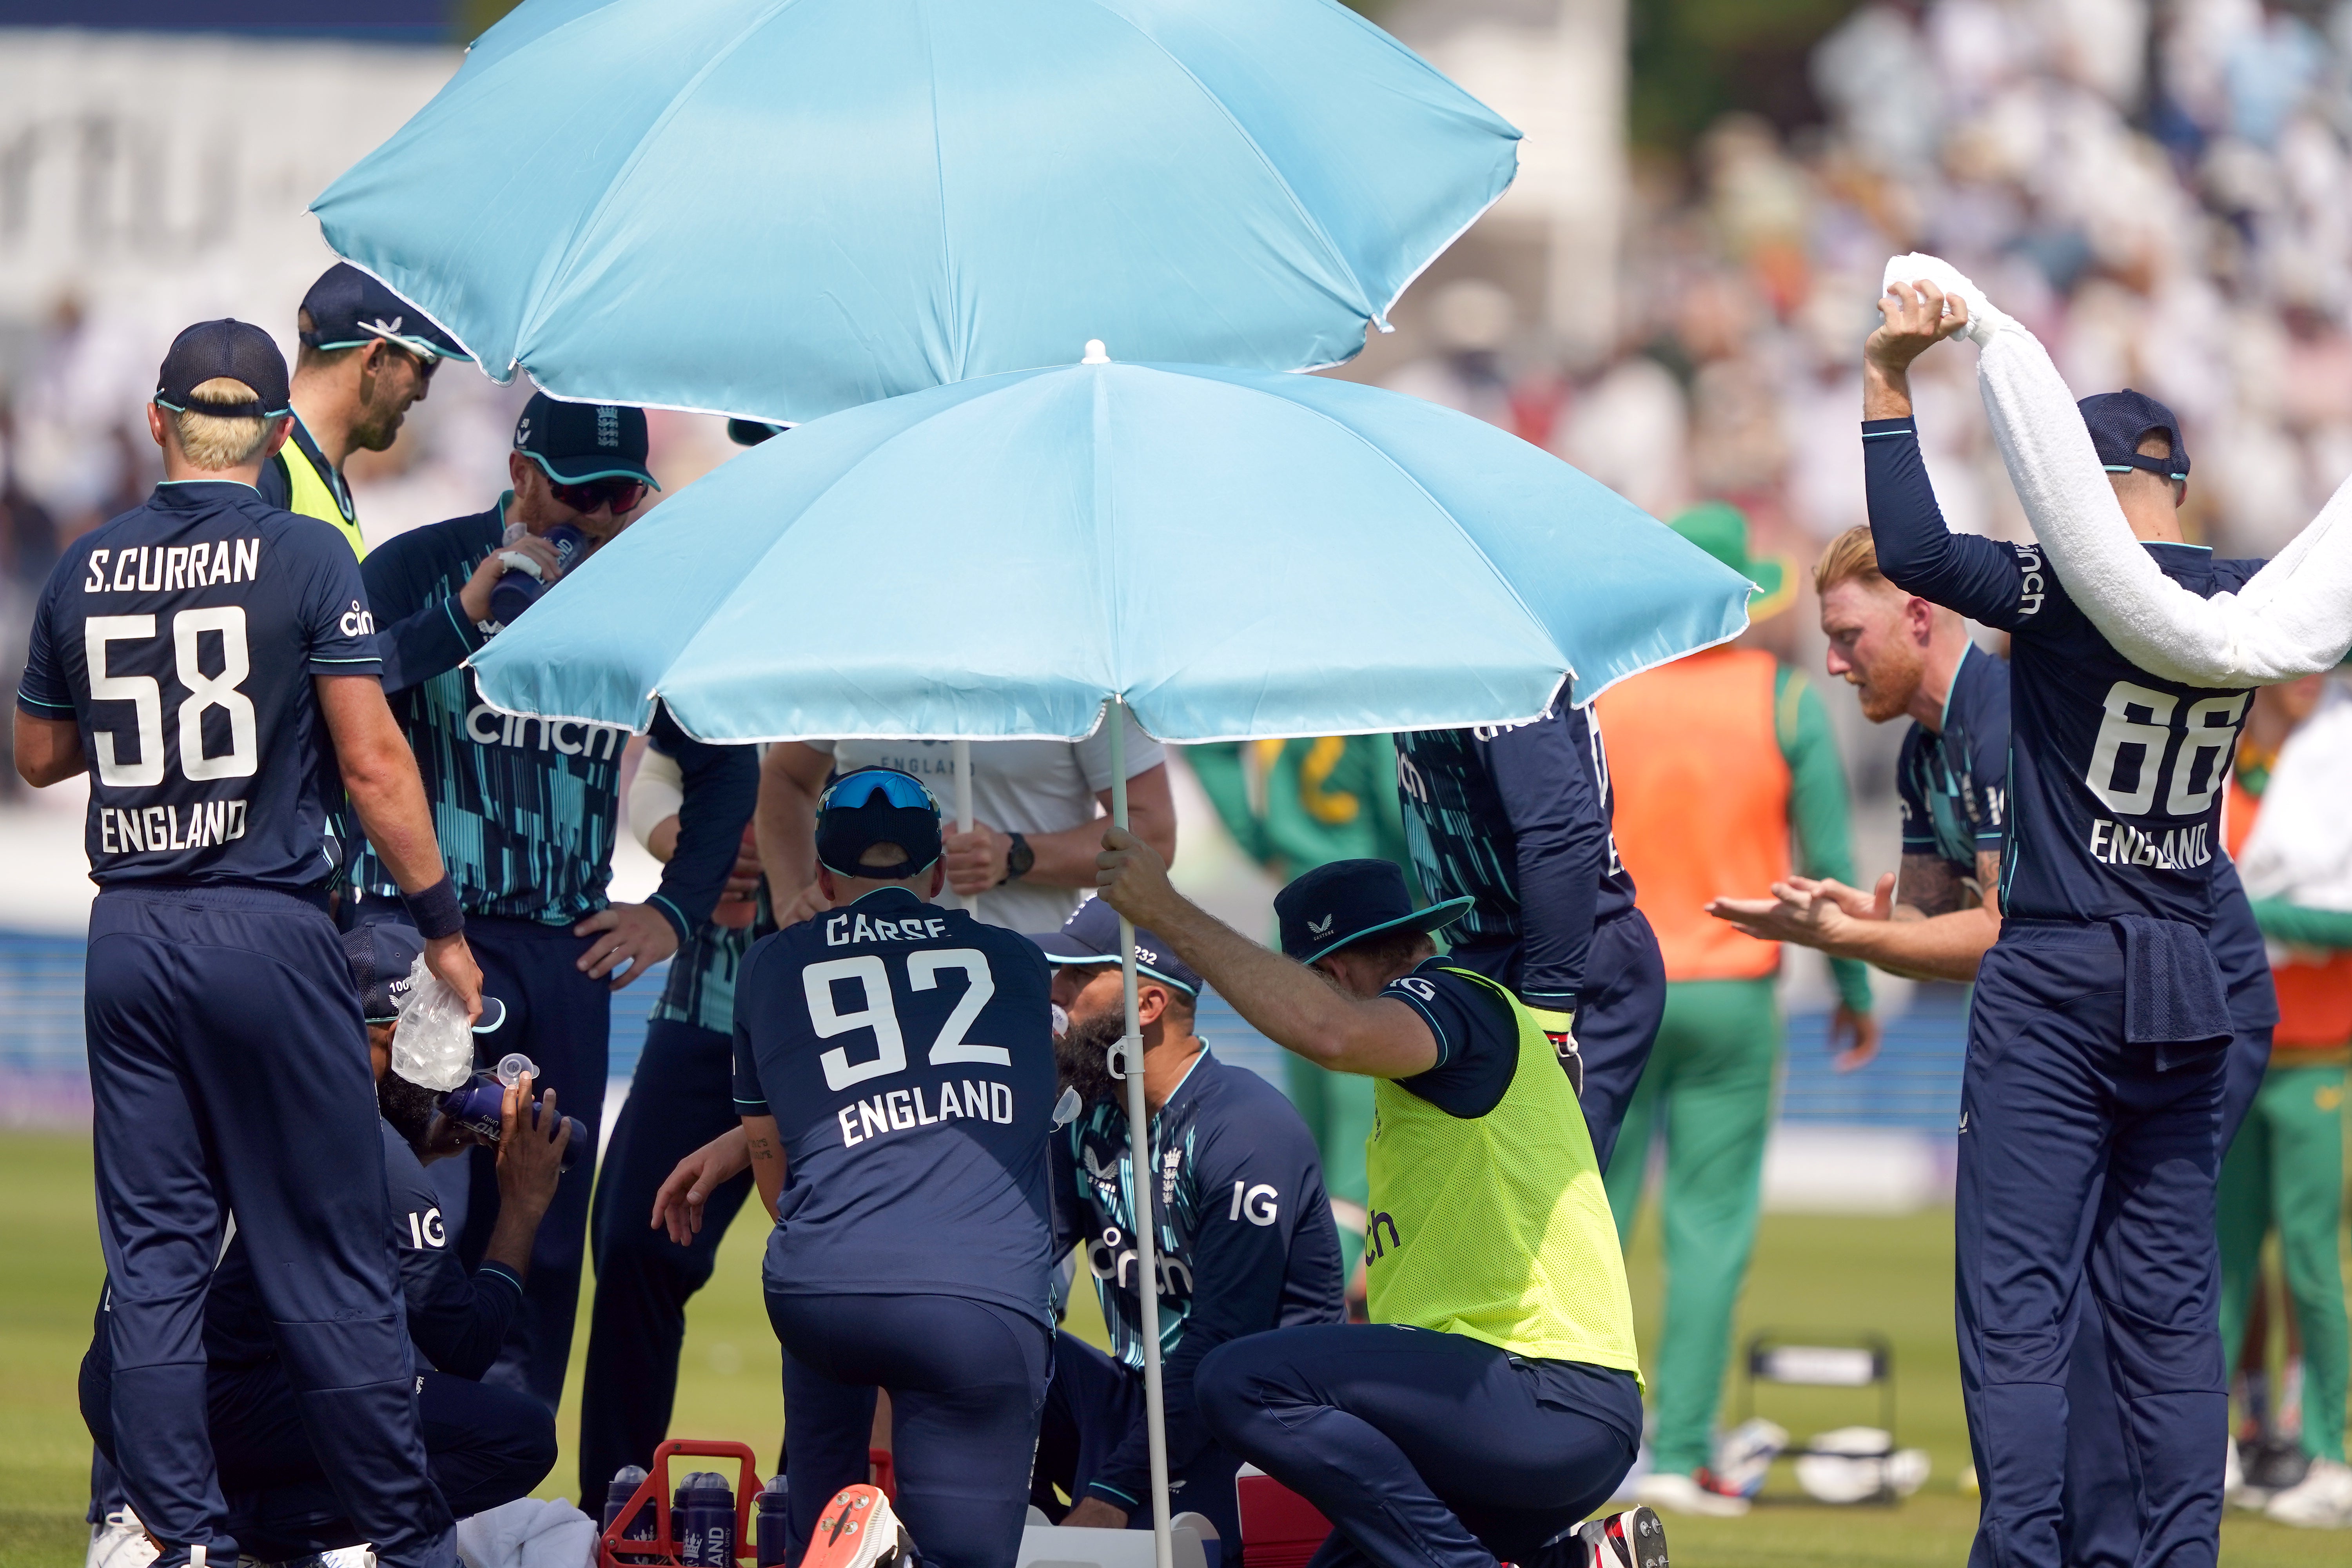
{"points": [[1681, 1494], [119, 1541], [2321, 1500]]}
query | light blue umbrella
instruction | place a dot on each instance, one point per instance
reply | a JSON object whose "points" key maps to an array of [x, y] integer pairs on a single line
{"points": [[1228, 552], [780, 208]]}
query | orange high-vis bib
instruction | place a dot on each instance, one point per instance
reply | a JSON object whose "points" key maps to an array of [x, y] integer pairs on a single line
{"points": [[1702, 803], [2315, 1000]]}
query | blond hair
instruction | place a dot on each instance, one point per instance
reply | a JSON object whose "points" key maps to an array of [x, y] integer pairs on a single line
{"points": [[1851, 557], [212, 442]]}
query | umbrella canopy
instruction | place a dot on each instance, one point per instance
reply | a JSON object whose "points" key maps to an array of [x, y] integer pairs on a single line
{"points": [[1235, 553], [780, 208]]}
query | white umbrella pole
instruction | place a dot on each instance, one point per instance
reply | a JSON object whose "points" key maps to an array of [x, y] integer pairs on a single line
{"points": [[1138, 1124], [962, 763]]}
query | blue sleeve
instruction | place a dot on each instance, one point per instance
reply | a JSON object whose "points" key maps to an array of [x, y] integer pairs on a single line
{"points": [[419, 637], [1477, 1042], [43, 691], [1543, 774], [721, 786], [1253, 1169], [751, 1099], [459, 1321], [1981, 578], [1918, 826], [334, 612], [1989, 765]]}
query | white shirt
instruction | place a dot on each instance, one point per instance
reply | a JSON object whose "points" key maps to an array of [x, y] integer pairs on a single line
{"points": [[1017, 786]]}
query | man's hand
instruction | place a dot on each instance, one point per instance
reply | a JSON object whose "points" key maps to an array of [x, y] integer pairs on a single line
{"points": [[452, 961], [976, 860], [1913, 320], [1807, 912], [678, 1205], [1133, 879], [530, 1152], [805, 905], [474, 598], [636, 934], [1093, 1513], [1861, 1033], [1560, 1029]]}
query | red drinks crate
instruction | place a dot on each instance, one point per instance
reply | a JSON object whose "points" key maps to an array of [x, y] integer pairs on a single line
{"points": [[1279, 1528]]}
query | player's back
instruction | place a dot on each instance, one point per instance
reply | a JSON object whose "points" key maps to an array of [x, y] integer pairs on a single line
{"points": [[2117, 775], [182, 637], [905, 1052]]}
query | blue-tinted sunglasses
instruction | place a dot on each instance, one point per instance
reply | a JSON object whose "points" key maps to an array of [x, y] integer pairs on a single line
{"points": [[853, 790]]}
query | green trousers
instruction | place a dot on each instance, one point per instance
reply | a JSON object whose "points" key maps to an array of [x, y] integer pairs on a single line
{"points": [[1708, 1091], [1337, 1110], [2286, 1169]]}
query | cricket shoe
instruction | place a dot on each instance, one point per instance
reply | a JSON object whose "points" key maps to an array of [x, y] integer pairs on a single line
{"points": [[2321, 1500], [119, 1541], [1683, 1494], [1635, 1539], [857, 1530]]}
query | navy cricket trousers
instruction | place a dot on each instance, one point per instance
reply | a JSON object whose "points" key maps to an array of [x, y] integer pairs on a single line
{"points": [[1092, 1405], [483, 1446], [1424, 1449], [682, 1097], [2083, 1167], [965, 1379], [2102, 1523], [229, 1075], [1617, 1013], [562, 1020]]}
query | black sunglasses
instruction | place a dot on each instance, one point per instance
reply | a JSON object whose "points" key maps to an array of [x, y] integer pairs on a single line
{"points": [[619, 491]]}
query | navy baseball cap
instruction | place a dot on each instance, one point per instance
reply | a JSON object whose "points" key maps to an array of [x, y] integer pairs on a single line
{"points": [[1349, 901], [577, 442], [2118, 420], [381, 956], [1090, 937], [348, 309], [228, 347], [876, 805]]}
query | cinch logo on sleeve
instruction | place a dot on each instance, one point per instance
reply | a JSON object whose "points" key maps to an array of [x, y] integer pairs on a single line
{"points": [[2031, 585]]}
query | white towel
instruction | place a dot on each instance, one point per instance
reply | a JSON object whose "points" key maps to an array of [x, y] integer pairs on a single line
{"points": [[2292, 619], [529, 1533], [2301, 848]]}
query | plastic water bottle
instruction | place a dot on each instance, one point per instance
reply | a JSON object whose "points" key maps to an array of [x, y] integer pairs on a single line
{"points": [[774, 1524], [624, 1484], [478, 1106], [517, 590], [702, 1518]]}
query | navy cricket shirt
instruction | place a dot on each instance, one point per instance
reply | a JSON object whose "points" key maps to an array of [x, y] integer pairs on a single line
{"points": [[907, 1053], [182, 638]]}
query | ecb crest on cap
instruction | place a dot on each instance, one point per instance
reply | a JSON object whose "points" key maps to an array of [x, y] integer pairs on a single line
{"points": [[608, 425]]}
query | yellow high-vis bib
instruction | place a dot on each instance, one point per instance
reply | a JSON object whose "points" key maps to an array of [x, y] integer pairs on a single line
{"points": [[1497, 1227], [312, 492]]}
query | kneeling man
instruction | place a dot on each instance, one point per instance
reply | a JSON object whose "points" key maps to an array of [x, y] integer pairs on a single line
{"points": [[1246, 1242], [895, 1073], [1495, 1399]]}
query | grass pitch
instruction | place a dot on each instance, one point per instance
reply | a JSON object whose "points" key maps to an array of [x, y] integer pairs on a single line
{"points": [[1813, 1275]]}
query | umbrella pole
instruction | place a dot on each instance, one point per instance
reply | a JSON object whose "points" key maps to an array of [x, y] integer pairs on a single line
{"points": [[1138, 1124], [963, 764]]}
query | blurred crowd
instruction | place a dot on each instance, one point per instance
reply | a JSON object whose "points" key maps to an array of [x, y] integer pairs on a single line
{"points": [[2162, 192]]}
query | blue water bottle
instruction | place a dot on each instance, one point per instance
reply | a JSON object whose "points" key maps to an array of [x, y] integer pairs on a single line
{"points": [[478, 1105], [774, 1525], [517, 590], [704, 1520], [624, 1484]]}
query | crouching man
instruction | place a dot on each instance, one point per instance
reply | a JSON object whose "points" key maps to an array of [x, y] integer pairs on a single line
{"points": [[484, 1446], [1246, 1242], [1495, 1401]]}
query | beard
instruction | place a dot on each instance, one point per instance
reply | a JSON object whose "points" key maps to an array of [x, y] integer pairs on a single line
{"points": [[1890, 683], [407, 1107], [1083, 1055]]}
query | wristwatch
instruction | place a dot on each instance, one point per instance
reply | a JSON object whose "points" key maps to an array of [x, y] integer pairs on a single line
{"points": [[1018, 859]]}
